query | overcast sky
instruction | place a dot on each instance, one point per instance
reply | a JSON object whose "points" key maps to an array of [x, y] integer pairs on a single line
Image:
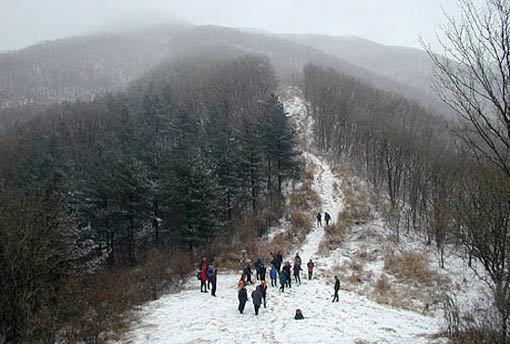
{"points": [[394, 22]]}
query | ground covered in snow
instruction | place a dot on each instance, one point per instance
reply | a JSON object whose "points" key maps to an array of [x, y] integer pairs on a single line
{"points": [[190, 316], [194, 317]]}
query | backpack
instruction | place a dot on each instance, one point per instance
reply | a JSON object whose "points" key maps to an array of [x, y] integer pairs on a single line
{"points": [[210, 271]]}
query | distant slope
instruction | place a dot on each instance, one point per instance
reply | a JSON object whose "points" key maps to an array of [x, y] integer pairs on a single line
{"points": [[406, 65], [81, 67]]}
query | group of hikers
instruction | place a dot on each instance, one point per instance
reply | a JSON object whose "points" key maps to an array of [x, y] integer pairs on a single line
{"points": [[327, 218], [280, 272]]}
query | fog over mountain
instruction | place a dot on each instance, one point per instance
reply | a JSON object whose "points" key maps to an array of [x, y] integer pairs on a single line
{"points": [[394, 22]]}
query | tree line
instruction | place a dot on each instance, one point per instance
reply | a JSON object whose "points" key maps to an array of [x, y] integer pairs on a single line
{"points": [[166, 164], [434, 184]]}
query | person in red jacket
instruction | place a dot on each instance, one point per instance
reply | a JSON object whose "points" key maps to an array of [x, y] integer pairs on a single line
{"points": [[310, 266], [203, 276]]}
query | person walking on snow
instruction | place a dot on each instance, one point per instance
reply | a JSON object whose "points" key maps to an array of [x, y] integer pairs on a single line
{"points": [[296, 269], [273, 273], [263, 273], [247, 273], [327, 218], [262, 287], [203, 275], [242, 295], [283, 279], [277, 261], [286, 272], [310, 266], [297, 260], [319, 219], [256, 296], [213, 282], [258, 268], [337, 288]]}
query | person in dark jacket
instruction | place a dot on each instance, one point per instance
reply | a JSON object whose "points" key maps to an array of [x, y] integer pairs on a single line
{"points": [[213, 282], [273, 273], [247, 273], [256, 296], [286, 272], [337, 288], [327, 218], [242, 295], [277, 261], [263, 273], [283, 279], [297, 277], [319, 219], [258, 267], [209, 272], [310, 266], [263, 290], [299, 315]]}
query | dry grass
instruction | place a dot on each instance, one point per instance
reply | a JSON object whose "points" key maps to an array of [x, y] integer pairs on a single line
{"points": [[95, 307], [410, 266], [382, 285]]}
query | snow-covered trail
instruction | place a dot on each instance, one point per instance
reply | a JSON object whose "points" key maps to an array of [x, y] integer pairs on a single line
{"points": [[324, 184], [194, 317]]}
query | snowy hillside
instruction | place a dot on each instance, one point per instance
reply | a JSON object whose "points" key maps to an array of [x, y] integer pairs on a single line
{"points": [[190, 316]]}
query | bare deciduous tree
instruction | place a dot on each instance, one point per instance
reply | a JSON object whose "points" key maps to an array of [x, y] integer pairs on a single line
{"points": [[472, 76]]}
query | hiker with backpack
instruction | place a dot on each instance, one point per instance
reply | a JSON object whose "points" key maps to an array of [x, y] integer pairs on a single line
{"points": [[310, 266], [210, 273], [337, 288], [256, 296], [273, 273], [242, 295], [327, 218]]}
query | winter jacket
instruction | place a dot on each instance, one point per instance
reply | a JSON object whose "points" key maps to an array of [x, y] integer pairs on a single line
{"points": [[310, 266], [273, 273], [256, 296], [203, 271], [286, 269], [263, 272], [327, 217], [277, 262], [297, 261], [259, 264], [242, 295], [283, 277], [296, 269], [337, 284], [263, 290]]}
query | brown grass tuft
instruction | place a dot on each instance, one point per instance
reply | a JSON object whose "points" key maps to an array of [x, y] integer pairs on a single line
{"points": [[382, 285]]}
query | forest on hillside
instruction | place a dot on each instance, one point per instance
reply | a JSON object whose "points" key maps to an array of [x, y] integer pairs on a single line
{"points": [[168, 165]]}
